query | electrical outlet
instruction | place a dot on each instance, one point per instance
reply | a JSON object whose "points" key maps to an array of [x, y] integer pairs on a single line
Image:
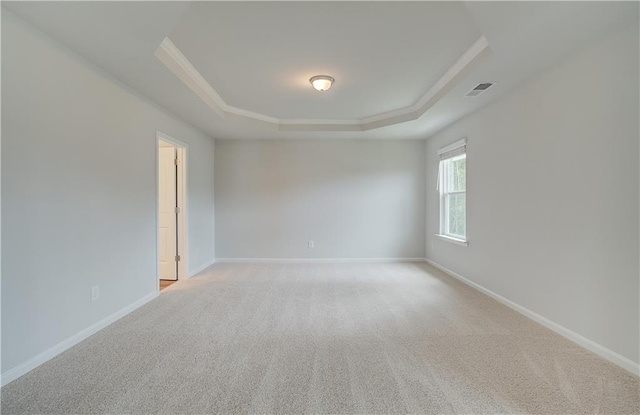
{"points": [[95, 293], [311, 244]]}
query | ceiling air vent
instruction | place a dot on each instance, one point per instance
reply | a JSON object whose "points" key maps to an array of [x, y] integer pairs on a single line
{"points": [[479, 89]]}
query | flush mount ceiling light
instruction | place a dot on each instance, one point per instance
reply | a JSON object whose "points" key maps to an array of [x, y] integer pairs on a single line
{"points": [[321, 82]]}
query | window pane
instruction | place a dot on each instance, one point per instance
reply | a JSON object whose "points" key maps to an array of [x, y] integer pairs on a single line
{"points": [[457, 174], [456, 210]]}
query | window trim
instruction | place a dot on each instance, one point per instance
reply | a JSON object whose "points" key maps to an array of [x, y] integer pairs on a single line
{"points": [[452, 151], [453, 240]]}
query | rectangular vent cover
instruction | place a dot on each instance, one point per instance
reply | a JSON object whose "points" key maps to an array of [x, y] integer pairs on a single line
{"points": [[479, 89]]}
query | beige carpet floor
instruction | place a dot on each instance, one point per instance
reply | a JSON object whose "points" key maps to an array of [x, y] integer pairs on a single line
{"points": [[346, 338]]}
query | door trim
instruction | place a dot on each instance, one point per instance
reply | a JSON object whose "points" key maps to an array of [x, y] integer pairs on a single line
{"points": [[182, 153]]}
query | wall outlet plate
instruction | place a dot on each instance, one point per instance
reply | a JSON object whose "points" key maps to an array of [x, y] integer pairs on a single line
{"points": [[95, 293], [311, 244]]}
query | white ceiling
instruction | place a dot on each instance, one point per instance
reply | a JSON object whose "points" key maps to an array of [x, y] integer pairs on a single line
{"points": [[384, 56], [257, 57]]}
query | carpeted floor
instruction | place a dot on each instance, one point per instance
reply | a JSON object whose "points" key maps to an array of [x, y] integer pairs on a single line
{"points": [[347, 338]]}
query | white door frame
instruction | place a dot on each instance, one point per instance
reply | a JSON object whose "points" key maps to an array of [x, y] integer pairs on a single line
{"points": [[182, 151]]}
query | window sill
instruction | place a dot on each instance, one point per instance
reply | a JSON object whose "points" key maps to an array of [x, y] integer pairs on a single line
{"points": [[453, 240]]}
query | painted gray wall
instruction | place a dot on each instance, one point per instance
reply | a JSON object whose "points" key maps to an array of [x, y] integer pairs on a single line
{"points": [[353, 198], [553, 195], [79, 193]]}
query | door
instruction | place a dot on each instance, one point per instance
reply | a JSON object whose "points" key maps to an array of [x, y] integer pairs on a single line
{"points": [[167, 216]]}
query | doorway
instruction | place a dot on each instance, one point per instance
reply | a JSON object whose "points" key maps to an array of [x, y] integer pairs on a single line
{"points": [[171, 213]]}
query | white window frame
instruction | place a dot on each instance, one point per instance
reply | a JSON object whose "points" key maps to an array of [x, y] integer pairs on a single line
{"points": [[452, 152]]}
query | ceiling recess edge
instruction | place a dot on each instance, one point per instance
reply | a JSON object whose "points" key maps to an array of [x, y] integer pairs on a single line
{"points": [[169, 54]]}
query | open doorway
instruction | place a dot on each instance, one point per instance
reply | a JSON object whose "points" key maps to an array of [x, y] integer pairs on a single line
{"points": [[171, 219]]}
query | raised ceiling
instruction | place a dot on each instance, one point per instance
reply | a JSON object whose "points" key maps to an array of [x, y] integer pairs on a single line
{"points": [[259, 57], [241, 69]]}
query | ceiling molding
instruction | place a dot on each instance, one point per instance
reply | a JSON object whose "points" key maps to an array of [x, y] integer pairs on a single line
{"points": [[169, 54]]}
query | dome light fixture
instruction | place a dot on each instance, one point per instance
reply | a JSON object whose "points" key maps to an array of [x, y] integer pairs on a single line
{"points": [[321, 82]]}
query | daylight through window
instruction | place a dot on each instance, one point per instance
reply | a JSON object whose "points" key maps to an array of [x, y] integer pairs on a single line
{"points": [[453, 191]]}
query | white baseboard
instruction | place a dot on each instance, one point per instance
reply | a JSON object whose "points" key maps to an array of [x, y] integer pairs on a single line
{"points": [[590, 345], [14, 373], [202, 268], [313, 260]]}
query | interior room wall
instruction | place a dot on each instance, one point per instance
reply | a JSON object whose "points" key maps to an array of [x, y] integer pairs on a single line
{"points": [[79, 193], [552, 197], [353, 198]]}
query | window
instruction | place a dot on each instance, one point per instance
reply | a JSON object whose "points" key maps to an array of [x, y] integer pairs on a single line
{"points": [[452, 185]]}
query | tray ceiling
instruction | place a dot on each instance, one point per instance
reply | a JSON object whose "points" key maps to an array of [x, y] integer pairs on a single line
{"points": [[241, 69], [384, 56]]}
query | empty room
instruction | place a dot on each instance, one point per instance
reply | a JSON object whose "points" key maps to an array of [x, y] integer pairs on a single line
{"points": [[320, 207]]}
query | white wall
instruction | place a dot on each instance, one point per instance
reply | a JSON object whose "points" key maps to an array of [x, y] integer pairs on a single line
{"points": [[353, 198], [553, 195], [79, 193]]}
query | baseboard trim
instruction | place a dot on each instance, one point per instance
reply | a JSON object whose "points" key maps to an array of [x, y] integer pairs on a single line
{"points": [[588, 344], [202, 268], [313, 260], [25, 367]]}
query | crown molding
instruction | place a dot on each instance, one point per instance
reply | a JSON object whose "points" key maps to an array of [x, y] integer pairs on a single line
{"points": [[169, 54]]}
